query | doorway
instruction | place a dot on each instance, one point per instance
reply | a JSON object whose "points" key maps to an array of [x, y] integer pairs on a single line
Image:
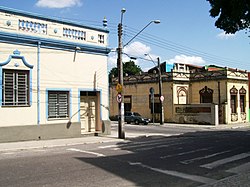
{"points": [[88, 111]]}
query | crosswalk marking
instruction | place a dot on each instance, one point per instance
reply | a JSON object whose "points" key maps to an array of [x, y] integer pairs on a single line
{"points": [[87, 152], [203, 157], [225, 161], [185, 153], [108, 146], [196, 178]]}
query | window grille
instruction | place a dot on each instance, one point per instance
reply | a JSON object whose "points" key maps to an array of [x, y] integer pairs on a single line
{"points": [[233, 99], [58, 102], [242, 99], [15, 88]]}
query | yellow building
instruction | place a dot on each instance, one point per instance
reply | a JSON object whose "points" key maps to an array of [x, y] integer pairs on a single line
{"points": [[203, 95], [53, 76]]}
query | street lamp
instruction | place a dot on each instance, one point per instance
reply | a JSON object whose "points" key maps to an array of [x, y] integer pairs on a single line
{"points": [[154, 21], [160, 88], [119, 87]]}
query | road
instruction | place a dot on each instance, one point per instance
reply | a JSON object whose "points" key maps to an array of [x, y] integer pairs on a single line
{"points": [[192, 157]]}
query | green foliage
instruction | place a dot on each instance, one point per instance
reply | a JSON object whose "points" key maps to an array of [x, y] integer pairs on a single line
{"points": [[233, 15], [129, 68]]}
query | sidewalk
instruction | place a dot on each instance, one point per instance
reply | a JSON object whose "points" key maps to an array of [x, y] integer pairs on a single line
{"points": [[35, 144], [113, 137], [228, 126]]}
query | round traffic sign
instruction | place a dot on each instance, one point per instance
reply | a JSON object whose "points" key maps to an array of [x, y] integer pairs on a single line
{"points": [[119, 98]]}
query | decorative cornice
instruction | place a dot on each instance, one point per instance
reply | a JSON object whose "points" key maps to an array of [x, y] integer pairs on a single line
{"points": [[51, 43], [182, 77], [16, 55], [46, 18]]}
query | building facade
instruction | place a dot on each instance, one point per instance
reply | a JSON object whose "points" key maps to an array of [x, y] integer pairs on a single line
{"points": [[53, 76], [203, 95]]}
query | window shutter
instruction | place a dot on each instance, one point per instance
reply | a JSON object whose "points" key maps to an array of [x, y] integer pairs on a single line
{"points": [[63, 105], [58, 106], [22, 88], [8, 88], [15, 88], [52, 105]]}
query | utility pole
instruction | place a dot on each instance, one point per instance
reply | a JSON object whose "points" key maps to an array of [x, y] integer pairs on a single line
{"points": [[160, 93], [121, 133], [119, 87]]}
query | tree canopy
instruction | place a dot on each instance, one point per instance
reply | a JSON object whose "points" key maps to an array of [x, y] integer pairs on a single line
{"points": [[129, 68], [233, 15]]}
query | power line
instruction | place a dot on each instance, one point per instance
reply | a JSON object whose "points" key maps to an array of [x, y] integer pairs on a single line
{"points": [[174, 47]]}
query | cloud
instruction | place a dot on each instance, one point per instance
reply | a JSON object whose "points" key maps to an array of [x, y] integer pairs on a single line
{"points": [[112, 60], [224, 36], [183, 59], [137, 49], [58, 4]]}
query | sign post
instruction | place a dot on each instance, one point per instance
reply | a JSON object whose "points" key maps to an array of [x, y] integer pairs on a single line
{"points": [[151, 90]]}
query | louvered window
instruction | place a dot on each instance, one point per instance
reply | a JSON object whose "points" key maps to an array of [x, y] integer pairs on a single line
{"points": [[58, 104], [15, 88]]}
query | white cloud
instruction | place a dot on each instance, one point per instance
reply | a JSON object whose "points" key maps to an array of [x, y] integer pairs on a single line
{"points": [[58, 4], [224, 36], [183, 59], [137, 49], [112, 60]]}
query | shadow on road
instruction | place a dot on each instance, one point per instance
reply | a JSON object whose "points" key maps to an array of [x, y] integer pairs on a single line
{"points": [[170, 161]]}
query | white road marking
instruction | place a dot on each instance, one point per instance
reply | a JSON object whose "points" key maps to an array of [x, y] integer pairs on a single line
{"points": [[225, 161], [240, 169], [146, 143], [185, 153], [203, 157], [107, 146], [87, 152], [157, 146], [8, 153], [196, 178]]}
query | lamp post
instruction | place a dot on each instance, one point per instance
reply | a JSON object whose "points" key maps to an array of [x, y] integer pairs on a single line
{"points": [[154, 21], [160, 87], [119, 88]]}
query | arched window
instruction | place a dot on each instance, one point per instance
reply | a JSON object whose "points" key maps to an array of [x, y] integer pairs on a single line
{"points": [[182, 95], [243, 100], [206, 95], [233, 99]]}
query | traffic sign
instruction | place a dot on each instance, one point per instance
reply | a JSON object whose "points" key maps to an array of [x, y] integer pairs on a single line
{"points": [[119, 98], [119, 88]]}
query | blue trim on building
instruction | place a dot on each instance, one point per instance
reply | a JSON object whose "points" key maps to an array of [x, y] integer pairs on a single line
{"points": [[16, 55], [51, 43], [38, 84], [30, 81], [1, 85], [47, 100], [47, 18]]}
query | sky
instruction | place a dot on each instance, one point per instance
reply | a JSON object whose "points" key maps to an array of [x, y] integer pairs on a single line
{"points": [[186, 33]]}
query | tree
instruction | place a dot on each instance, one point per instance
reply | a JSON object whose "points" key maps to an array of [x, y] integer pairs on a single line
{"points": [[129, 68], [233, 15]]}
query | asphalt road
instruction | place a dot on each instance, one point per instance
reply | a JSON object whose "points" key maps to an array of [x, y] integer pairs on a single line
{"points": [[192, 157]]}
